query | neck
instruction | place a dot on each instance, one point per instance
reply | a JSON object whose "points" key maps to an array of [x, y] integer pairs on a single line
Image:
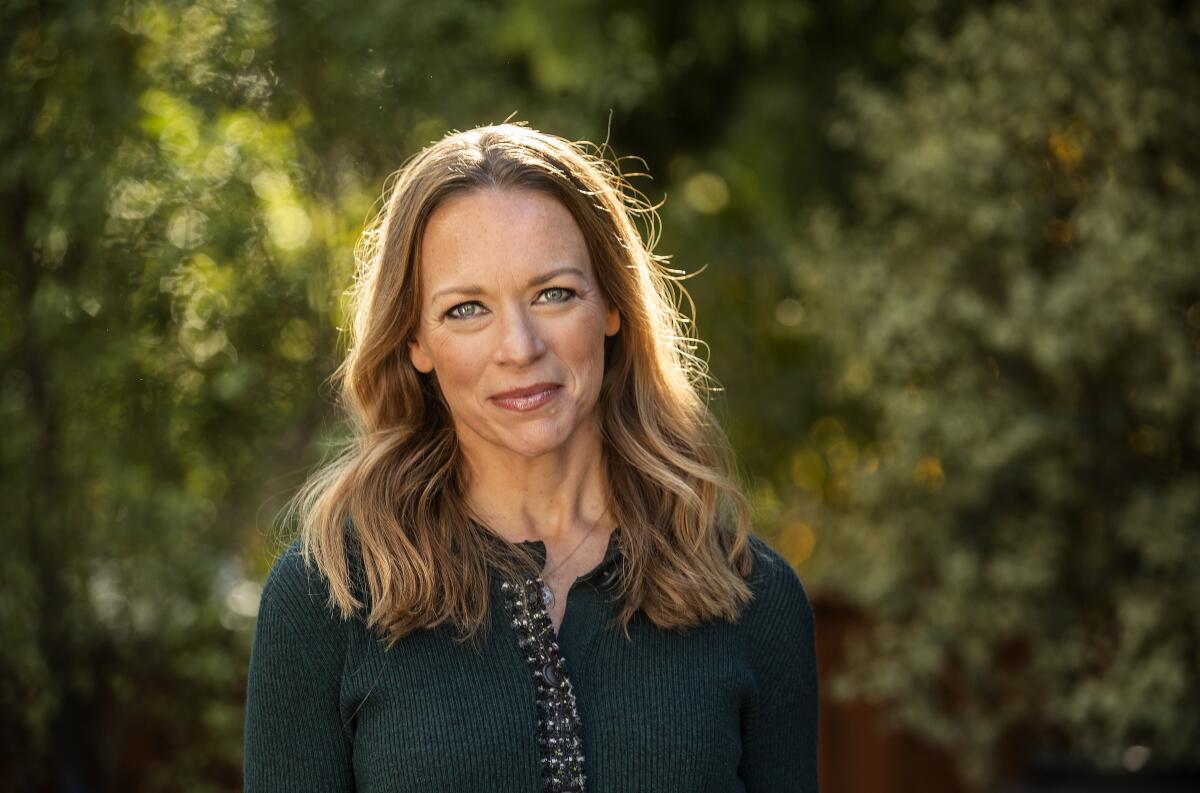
{"points": [[555, 498]]}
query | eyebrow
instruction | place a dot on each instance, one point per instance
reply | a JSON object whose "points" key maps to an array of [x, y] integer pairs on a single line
{"points": [[479, 290]]}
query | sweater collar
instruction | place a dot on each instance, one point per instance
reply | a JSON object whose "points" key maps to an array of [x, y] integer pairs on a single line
{"points": [[612, 553], [603, 576]]}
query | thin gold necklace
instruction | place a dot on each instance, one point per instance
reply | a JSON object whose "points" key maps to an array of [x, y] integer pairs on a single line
{"points": [[547, 592]]}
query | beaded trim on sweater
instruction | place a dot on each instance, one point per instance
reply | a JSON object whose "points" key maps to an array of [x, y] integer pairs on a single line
{"points": [[560, 738]]}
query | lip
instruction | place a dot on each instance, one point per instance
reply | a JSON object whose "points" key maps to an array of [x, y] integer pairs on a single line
{"points": [[528, 398], [526, 391]]}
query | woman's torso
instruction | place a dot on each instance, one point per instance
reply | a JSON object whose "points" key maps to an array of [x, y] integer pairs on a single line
{"points": [[662, 712]]}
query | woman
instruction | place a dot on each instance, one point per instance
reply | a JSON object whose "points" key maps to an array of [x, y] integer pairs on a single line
{"points": [[530, 436]]}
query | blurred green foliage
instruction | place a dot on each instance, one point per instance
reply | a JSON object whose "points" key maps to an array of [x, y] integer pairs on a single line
{"points": [[1015, 297], [988, 245]]}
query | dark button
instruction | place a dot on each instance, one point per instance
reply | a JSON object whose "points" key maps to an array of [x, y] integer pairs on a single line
{"points": [[607, 576], [550, 675]]}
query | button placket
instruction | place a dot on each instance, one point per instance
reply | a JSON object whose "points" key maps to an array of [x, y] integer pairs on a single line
{"points": [[560, 734]]}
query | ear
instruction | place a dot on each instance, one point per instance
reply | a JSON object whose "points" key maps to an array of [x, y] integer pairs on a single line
{"points": [[612, 322], [419, 356]]}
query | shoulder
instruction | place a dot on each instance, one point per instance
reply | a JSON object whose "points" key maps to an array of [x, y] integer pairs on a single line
{"points": [[296, 594], [773, 577], [779, 616]]}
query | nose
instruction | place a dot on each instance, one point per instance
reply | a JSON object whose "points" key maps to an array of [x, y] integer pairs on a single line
{"points": [[520, 340]]}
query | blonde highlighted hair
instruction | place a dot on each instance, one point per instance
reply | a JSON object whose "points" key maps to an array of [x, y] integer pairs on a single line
{"points": [[386, 522]]}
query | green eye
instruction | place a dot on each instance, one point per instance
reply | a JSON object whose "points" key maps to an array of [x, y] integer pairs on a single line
{"points": [[454, 313], [568, 292]]}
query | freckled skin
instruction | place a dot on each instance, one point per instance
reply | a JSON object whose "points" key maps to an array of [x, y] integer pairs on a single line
{"points": [[514, 335]]}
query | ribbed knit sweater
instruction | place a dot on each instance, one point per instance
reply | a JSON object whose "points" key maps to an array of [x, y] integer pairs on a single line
{"points": [[723, 707]]}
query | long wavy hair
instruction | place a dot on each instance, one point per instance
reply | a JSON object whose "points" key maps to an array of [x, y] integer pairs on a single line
{"points": [[385, 520]]}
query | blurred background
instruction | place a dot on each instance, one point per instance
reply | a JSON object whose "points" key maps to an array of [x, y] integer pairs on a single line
{"points": [[947, 274]]}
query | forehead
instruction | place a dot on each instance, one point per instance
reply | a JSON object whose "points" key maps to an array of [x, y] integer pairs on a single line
{"points": [[488, 234]]}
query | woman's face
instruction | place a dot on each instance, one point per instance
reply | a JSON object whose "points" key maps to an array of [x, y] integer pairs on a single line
{"points": [[509, 301]]}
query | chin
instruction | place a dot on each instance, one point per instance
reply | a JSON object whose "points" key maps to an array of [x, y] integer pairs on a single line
{"points": [[535, 446]]}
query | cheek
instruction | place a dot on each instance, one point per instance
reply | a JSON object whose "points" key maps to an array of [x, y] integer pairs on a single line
{"points": [[458, 365], [587, 345]]}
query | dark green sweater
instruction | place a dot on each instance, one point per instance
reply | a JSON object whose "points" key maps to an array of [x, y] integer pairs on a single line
{"points": [[726, 707]]}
